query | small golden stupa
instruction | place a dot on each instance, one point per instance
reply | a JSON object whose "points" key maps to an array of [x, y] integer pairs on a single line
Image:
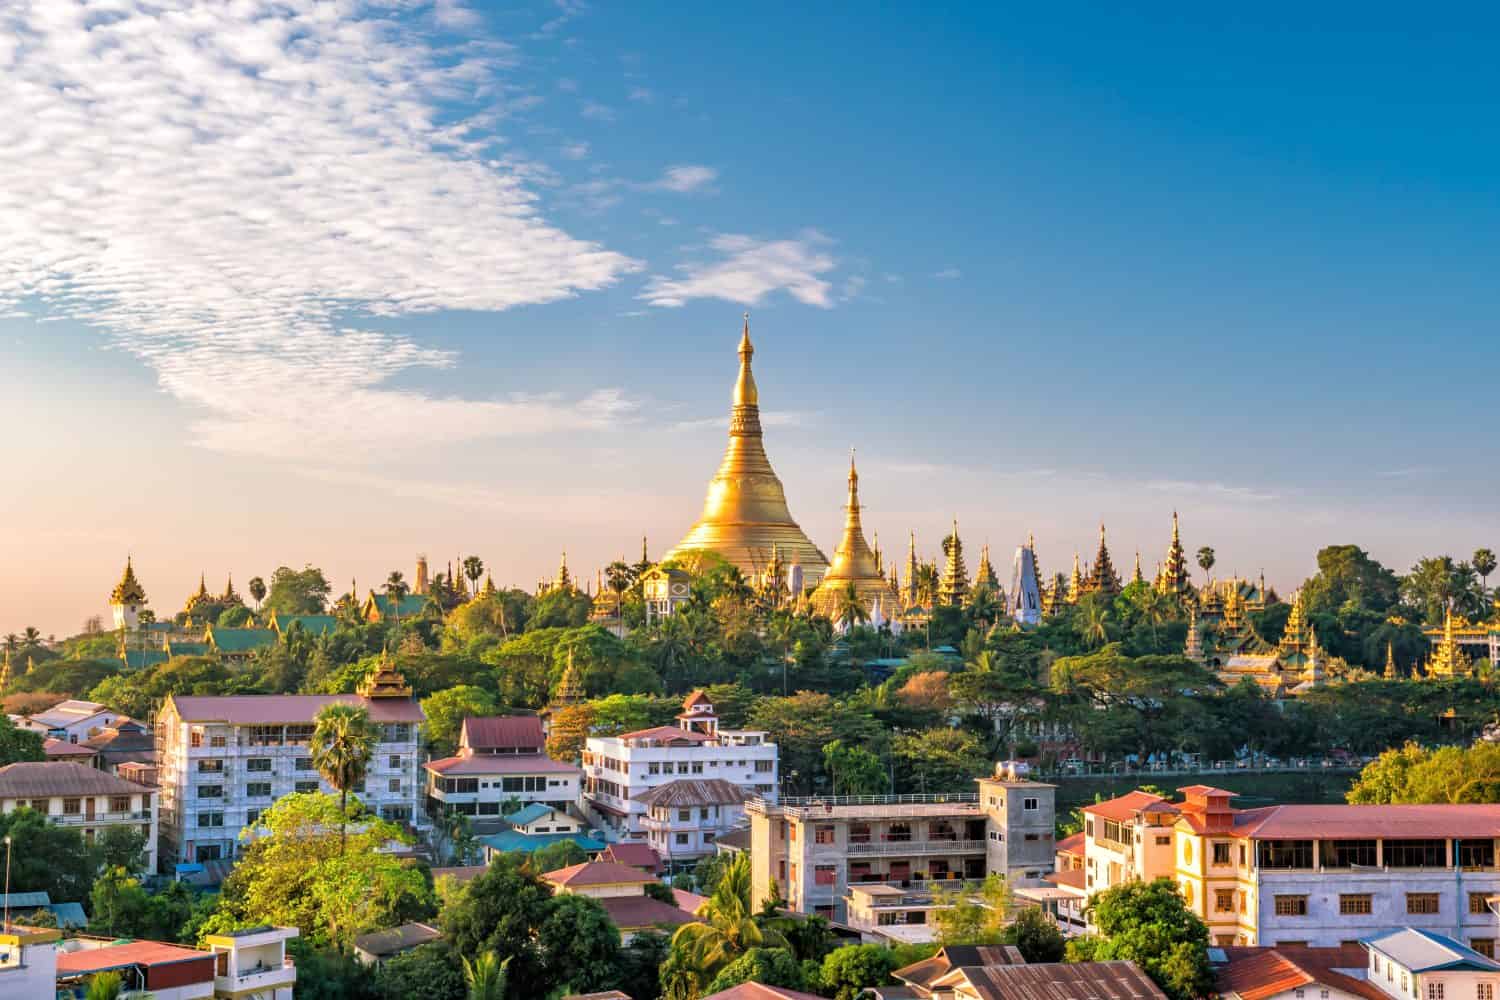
{"points": [[745, 514], [854, 564]]}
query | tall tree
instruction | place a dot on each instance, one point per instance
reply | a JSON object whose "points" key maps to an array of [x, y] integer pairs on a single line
{"points": [[298, 591], [473, 569], [619, 576], [343, 742], [1484, 564], [729, 928], [486, 976], [396, 586], [1206, 561], [1149, 923], [257, 591]]}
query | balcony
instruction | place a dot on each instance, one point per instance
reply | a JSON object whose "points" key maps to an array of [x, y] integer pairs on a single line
{"points": [[872, 806], [897, 848], [258, 978]]}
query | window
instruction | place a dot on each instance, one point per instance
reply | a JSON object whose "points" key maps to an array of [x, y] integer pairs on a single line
{"points": [[1187, 852], [1434, 991], [119, 803], [1476, 853], [1242, 855], [266, 736], [1421, 902], [394, 785], [765, 766], [682, 767], [1223, 900], [1416, 853], [303, 764], [195, 738], [218, 741], [1485, 947], [1088, 827], [697, 767], [1291, 906], [823, 834], [305, 787], [251, 815], [1284, 853], [1031, 836], [1162, 840], [1300, 993], [213, 765], [684, 815], [1477, 903], [208, 792], [1221, 852], [72, 807], [1355, 904], [1029, 805], [1485, 991], [258, 764], [395, 762], [653, 768], [210, 819], [681, 839], [43, 806], [859, 833], [1347, 853], [258, 790], [825, 875]]}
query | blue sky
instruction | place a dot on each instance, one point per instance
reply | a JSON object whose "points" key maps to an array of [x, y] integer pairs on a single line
{"points": [[286, 287]]}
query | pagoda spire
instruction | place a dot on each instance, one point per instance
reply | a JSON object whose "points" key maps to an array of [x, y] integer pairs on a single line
{"points": [[1449, 659], [854, 567], [985, 576], [564, 579], [570, 686], [1194, 650], [1102, 576], [912, 566], [1036, 565], [1075, 582], [954, 587], [1137, 577], [129, 589], [1390, 661], [1174, 573]]}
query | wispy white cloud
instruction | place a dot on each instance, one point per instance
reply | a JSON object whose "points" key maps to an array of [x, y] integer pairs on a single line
{"points": [[1211, 489], [575, 150], [749, 270], [686, 177], [226, 188], [595, 111], [642, 95], [949, 274]]}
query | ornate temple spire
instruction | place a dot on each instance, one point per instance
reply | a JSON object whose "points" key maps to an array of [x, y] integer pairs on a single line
{"points": [[1075, 582], [1294, 636], [1174, 574], [129, 589], [1390, 661], [985, 576], [854, 565], [1194, 650], [385, 681], [564, 579], [912, 566], [745, 511], [570, 686], [1102, 576], [1136, 577], [1234, 612], [1448, 659], [229, 596], [875, 545], [954, 587], [489, 586]]}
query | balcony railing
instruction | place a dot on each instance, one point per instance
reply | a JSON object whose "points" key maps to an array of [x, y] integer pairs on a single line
{"points": [[890, 848]]}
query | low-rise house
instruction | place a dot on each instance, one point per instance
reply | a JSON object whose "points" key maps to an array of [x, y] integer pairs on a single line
{"points": [[377, 946], [621, 890], [536, 826], [918, 979], [889, 914], [1412, 964], [500, 760], [28, 962], [78, 753], [684, 817], [760, 991], [23, 906], [226, 759], [79, 796], [1290, 972], [1049, 981], [164, 971], [124, 741], [634, 854], [72, 721], [253, 963]]}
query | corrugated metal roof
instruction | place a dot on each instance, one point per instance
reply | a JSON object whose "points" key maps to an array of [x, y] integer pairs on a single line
{"points": [[694, 792], [1058, 981], [497, 731], [394, 940], [1261, 973], [274, 709], [598, 873], [43, 779], [1424, 951]]}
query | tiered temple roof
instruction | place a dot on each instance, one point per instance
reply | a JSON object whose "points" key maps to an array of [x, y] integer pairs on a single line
{"points": [[1174, 573], [954, 588], [1102, 576], [1448, 659], [854, 566], [129, 589], [985, 576]]}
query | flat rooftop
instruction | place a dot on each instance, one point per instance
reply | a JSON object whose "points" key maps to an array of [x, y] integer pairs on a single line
{"points": [[869, 806]]}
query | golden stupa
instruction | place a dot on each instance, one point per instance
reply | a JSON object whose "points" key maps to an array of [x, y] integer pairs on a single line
{"points": [[745, 513], [854, 564]]}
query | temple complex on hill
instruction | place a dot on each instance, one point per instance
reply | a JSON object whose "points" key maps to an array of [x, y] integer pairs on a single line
{"points": [[745, 516]]}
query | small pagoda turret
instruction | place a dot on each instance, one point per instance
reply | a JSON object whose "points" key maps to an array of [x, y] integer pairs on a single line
{"points": [[1136, 577], [954, 588], [230, 598], [1194, 649], [985, 576], [128, 599], [1449, 658], [198, 598], [385, 681], [1075, 582], [1102, 577], [570, 689], [909, 597], [1390, 661], [1174, 577]]}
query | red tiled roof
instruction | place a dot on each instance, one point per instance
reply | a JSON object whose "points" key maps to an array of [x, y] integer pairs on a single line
{"points": [[62, 748], [1073, 878], [694, 792], [696, 698], [88, 960], [760, 991], [1294, 822], [666, 733], [1206, 790], [597, 873], [1071, 844], [41, 779], [500, 763], [688, 902], [503, 731], [635, 912], [271, 709], [637, 855], [1259, 973], [1126, 806]]}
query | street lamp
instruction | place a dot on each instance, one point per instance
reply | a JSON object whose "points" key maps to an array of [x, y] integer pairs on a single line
{"points": [[7, 884]]}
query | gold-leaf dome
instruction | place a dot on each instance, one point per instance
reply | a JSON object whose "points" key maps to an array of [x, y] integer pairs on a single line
{"points": [[854, 564]]}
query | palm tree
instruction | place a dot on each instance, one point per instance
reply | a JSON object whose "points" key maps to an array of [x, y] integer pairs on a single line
{"points": [[104, 986], [30, 635], [343, 741], [927, 583], [12, 641], [486, 976], [1206, 559], [257, 591], [729, 928], [619, 577], [1484, 565], [1155, 608], [473, 569], [985, 607], [1095, 626], [396, 586], [850, 611]]}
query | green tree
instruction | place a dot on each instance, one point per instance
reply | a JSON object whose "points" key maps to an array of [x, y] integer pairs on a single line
{"points": [[1348, 577], [1206, 560], [18, 745], [104, 986], [298, 592], [973, 917], [768, 966], [619, 577], [473, 569], [121, 847], [343, 742], [431, 972], [853, 770], [1484, 564], [729, 929], [118, 903], [803, 724], [1435, 584], [46, 857], [1149, 924], [257, 591], [446, 711], [487, 976], [854, 968], [581, 944], [1036, 935], [1447, 775], [499, 912], [938, 760]]}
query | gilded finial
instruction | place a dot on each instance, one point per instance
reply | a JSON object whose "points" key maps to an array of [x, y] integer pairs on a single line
{"points": [[745, 392]]}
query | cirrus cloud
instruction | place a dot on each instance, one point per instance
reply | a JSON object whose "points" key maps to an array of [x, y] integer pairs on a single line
{"points": [[226, 188], [749, 270]]}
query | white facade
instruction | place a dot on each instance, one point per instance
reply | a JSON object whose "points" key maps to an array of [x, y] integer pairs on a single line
{"points": [[82, 798], [617, 770], [224, 760], [72, 720], [1445, 900], [28, 963], [684, 831], [500, 761], [253, 963]]}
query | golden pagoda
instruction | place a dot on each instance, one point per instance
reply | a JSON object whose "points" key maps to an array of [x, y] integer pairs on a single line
{"points": [[1448, 659], [985, 576], [954, 588], [1194, 650], [910, 596], [745, 512], [199, 597], [129, 589], [1137, 577], [1102, 576], [1075, 583], [1174, 574], [385, 681], [489, 586], [230, 597], [1390, 661], [854, 565], [1297, 641], [570, 685]]}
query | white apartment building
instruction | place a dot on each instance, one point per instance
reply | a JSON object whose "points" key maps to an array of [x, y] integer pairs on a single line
{"points": [[618, 770], [686, 816], [223, 760], [500, 760], [72, 721], [78, 796]]}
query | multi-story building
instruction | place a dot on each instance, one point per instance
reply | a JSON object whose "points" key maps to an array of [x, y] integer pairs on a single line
{"points": [[72, 721], [223, 760], [1319, 875], [816, 849], [618, 770], [78, 796], [686, 816], [501, 760]]}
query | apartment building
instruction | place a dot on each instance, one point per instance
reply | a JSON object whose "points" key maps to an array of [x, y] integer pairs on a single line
{"points": [[685, 817], [223, 760], [816, 849], [78, 796], [619, 770], [1318, 875], [501, 761]]}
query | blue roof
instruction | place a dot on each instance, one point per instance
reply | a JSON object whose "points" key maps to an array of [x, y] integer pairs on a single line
{"points": [[69, 914], [137, 658], [515, 840], [1426, 951], [527, 814], [16, 899]]}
